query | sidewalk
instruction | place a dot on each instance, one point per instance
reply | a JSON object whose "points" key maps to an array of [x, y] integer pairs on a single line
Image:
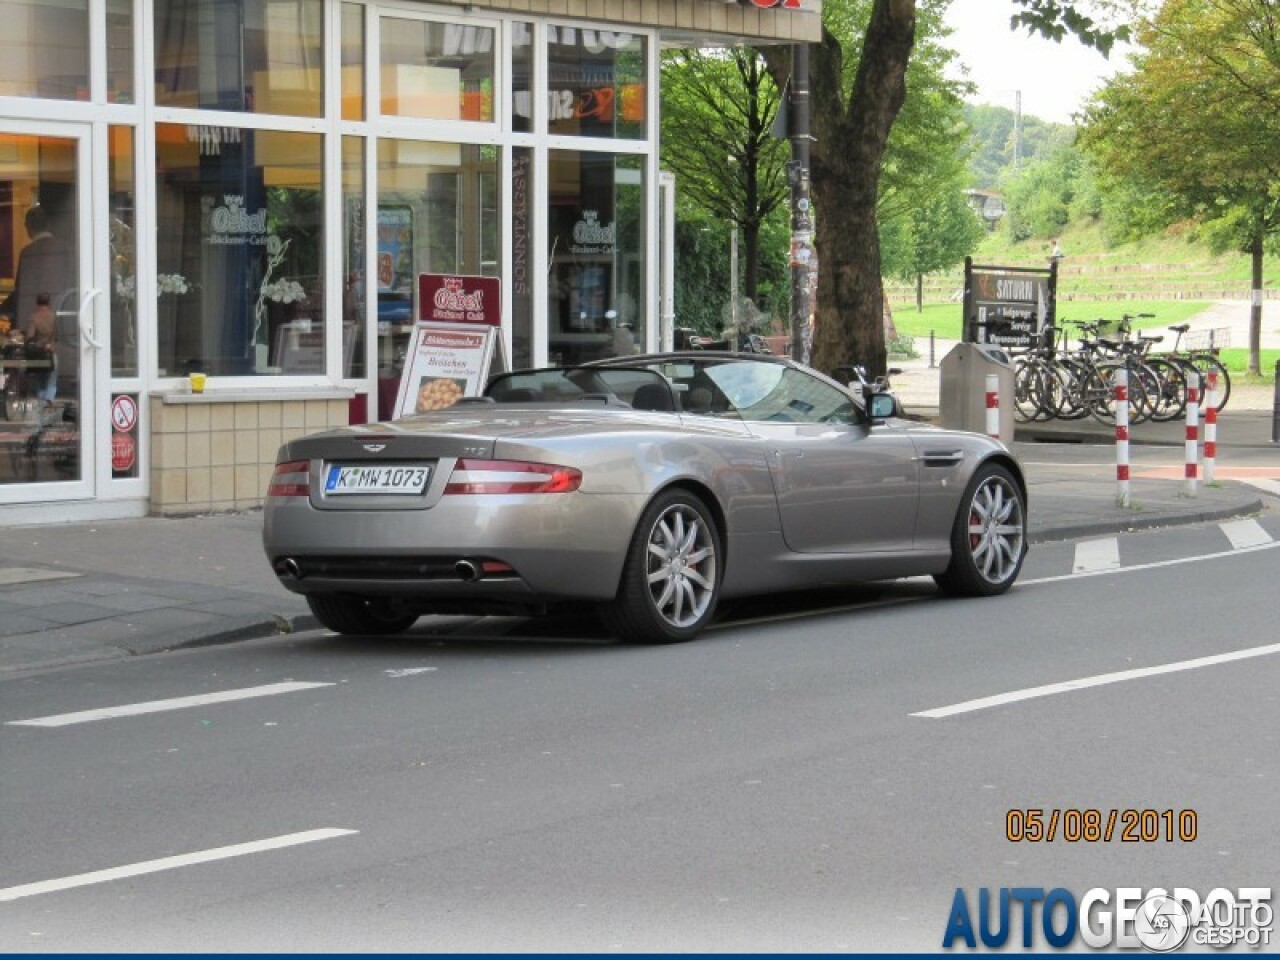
{"points": [[114, 589]]}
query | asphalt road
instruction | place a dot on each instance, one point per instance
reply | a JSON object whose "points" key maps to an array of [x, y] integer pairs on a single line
{"points": [[770, 787]]}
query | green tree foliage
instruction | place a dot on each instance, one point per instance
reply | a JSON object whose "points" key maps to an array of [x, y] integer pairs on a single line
{"points": [[718, 107], [993, 139], [858, 87], [1198, 121], [1044, 195]]}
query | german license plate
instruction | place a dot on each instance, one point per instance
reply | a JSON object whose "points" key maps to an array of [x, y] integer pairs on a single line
{"points": [[352, 479]]}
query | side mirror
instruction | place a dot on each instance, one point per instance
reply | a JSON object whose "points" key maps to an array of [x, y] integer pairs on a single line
{"points": [[880, 406]]}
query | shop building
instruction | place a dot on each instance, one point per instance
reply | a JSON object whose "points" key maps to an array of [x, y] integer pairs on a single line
{"points": [[251, 189]]}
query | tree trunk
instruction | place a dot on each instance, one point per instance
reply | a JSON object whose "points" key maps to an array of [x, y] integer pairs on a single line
{"points": [[847, 152], [1255, 307]]}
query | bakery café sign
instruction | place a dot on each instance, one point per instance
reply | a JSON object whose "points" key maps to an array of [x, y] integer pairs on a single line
{"points": [[591, 237], [450, 298]]}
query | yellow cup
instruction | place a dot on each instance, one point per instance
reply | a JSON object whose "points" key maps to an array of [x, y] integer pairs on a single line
{"points": [[197, 383]]}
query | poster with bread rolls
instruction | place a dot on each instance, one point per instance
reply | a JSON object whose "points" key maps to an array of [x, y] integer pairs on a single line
{"points": [[444, 363]]}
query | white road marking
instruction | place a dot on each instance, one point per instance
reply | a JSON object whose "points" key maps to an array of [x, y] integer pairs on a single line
{"points": [[1263, 484], [1149, 566], [409, 672], [1245, 533], [158, 706], [1084, 683], [171, 863], [1094, 555]]}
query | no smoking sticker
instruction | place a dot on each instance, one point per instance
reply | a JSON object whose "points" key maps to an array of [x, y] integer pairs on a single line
{"points": [[124, 413]]}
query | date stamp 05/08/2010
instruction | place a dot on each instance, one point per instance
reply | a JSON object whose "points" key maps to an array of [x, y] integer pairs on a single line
{"points": [[1094, 825]]}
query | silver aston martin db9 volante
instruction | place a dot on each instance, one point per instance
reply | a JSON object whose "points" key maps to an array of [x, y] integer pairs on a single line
{"points": [[651, 487]]}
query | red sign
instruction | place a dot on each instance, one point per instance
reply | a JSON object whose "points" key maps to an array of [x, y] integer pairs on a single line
{"points": [[785, 4], [446, 298], [124, 450], [124, 412]]}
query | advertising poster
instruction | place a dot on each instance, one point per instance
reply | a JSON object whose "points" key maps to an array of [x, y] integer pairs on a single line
{"points": [[444, 364]]}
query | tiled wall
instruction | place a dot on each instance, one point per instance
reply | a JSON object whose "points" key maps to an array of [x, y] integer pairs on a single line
{"points": [[212, 453]]}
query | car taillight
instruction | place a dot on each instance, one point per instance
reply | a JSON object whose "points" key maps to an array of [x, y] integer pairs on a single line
{"points": [[511, 476], [292, 479]]}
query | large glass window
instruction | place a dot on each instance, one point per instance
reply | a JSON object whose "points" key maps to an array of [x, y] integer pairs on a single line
{"points": [[124, 260], [437, 71], [120, 51], [438, 206], [259, 56], [597, 243], [522, 77], [353, 257], [352, 62], [44, 49], [39, 320], [597, 80], [240, 271]]}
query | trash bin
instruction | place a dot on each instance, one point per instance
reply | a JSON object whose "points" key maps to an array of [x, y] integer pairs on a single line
{"points": [[962, 397]]}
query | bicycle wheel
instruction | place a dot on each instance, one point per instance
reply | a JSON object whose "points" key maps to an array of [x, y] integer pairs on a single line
{"points": [[1144, 390], [1171, 398], [1074, 377], [1207, 363]]}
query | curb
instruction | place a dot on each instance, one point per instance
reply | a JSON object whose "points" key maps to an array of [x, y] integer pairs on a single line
{"points": [[1072, 530]]}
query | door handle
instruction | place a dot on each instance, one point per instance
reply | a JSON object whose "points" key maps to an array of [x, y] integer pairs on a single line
{"points": [[85, 332]]}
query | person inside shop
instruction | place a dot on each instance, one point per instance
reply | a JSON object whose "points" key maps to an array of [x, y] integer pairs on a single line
{"points": [[42, 268], [42, 339]]}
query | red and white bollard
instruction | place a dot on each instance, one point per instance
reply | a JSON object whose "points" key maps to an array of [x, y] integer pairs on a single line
{"points": [[1211, 427], [1122, 437], [1193, 433], [993, 406]]}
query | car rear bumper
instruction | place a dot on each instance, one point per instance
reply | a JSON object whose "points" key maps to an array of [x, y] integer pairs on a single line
{"points": [[502, 547]]}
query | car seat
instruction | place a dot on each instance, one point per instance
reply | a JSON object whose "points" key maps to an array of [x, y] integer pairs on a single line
{"points": [[652, 396]]}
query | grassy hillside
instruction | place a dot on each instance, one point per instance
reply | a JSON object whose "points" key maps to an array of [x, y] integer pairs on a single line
{"points": [[1168, 276], [1163, 268]]}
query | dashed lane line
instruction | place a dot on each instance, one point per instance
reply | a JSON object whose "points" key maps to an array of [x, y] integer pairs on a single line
{"points": [[1245, 533], [158, 706], [1097, 555], [171, 863], [1085, 683], [1137, 567]]}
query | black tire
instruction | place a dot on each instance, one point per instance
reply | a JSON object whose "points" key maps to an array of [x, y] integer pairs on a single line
{"points": [[1205, 364], [671, 578], [989, 536], [343, 613]]}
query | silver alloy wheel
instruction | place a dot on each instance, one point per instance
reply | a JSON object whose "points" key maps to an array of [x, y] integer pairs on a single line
{"points": [[681, 568], [996, 529]]}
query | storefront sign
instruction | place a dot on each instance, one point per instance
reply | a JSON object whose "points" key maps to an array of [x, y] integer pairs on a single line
{"points": [[445, 362], [781, 4], [1008, 306], [591, 237], [448, 298], [231, 224]]}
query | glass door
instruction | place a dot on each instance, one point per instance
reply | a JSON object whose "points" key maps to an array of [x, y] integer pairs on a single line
{"points": [[48, 349]]}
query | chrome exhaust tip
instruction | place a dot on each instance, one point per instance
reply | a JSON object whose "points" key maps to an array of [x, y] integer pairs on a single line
{"points": [[467, 571], [290, 566]]}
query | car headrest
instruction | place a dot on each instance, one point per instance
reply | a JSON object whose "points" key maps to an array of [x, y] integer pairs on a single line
{"points": [[652, 396]]}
